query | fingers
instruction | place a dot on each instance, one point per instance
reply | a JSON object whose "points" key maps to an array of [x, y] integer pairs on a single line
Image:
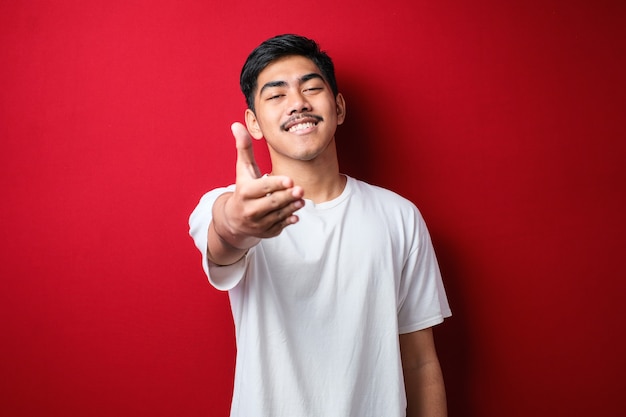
{"points": [[262, 217], [281, 218], [275, 206], [247, 167], [273, 186], [260, 206]]}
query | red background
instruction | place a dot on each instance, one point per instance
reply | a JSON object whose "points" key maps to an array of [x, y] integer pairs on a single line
{"points": [[502, 121]]}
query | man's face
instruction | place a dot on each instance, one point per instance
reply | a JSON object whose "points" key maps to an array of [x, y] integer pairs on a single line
{"points": [[295, 110]]}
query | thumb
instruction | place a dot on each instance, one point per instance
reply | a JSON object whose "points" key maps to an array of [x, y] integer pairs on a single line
{"points": [[247, 167]]}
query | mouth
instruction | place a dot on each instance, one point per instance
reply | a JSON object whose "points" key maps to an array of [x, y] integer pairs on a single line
{"points": [[301, 122]]}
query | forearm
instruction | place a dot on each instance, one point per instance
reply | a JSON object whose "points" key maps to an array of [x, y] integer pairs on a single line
{"points": [[425, 390], [223, 246]]}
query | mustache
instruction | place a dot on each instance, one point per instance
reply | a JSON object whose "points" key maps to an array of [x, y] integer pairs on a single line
{"points": [[294, 119]]}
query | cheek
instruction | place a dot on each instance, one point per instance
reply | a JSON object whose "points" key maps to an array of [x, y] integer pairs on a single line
{"points": [[268, 126], [335, 116], [269, 117], [264, 124]]}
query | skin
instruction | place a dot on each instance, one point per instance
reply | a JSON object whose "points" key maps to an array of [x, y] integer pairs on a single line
{"points": [[423, 379], [292, 91]]}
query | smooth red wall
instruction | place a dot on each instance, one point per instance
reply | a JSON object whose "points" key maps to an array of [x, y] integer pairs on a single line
{"points": [[502, 121]]}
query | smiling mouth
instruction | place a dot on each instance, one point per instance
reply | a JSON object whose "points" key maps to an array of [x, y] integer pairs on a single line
{"points": [[301, 126], [301, 122]]}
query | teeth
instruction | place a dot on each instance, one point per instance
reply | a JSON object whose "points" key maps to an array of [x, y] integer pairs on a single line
{"points": [[301, 126]]}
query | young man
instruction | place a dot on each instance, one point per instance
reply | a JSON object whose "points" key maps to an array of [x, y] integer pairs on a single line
{"points": [[333, 283]]}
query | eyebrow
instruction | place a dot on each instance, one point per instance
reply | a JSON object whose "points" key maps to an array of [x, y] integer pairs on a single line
{"points": [[301, 80]]}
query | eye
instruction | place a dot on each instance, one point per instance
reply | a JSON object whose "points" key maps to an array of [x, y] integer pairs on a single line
{"points": [[313, 90], [274, 97]]}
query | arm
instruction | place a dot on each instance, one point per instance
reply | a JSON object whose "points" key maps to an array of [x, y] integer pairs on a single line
{"points": [[423, 379], [219, 250], [260, 207]]}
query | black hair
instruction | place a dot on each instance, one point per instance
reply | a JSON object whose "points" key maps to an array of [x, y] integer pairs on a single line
{"points": [[278, 47]]}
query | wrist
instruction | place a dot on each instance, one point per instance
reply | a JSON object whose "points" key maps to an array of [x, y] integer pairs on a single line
{"points": [[228, 235]]}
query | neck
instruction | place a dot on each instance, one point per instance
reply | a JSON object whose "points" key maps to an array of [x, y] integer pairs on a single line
{"points": [[322, 188], [319, 178]]}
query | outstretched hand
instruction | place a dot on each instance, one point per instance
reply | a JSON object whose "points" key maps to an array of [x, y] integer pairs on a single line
{"points": [[261, 206], [247, 168]]}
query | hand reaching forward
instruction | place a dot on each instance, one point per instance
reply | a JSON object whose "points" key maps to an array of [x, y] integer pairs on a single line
{"points": [[260, 207]]}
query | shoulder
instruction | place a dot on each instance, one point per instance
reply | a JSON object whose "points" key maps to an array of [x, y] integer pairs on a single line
{"points": [[202, 212], [383, 196], [216, 192], [388, 206]]}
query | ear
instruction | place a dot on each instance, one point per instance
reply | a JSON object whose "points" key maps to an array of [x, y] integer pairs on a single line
{"points": [[253, 125], [341, 108]]}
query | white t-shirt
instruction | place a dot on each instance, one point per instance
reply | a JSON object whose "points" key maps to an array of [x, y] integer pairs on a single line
{"points": [[318, 309]]}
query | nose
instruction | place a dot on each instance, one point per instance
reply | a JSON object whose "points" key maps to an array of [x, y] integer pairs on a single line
{"points": [[298, 104]]}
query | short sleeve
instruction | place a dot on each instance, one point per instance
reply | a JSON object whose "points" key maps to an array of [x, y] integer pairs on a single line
{"points": [[221, 277], [422, 298]]}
